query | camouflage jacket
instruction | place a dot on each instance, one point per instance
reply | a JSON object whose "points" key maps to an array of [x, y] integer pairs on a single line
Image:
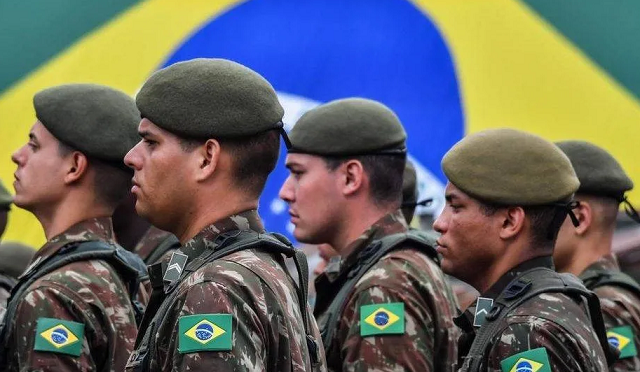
{"points": [[422, 304], [552, 324], [6, 283], [76, 318], [238, 313], [153, 239], [620, 310]]}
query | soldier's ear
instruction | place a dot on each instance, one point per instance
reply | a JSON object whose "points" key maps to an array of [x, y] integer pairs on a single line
{"points": [[76, 166], [352, 177], [513, 221], [207, 157], [584, 214]]}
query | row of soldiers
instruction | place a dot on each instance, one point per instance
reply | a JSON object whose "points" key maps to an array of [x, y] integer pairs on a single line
{"points": [[224, 301]]}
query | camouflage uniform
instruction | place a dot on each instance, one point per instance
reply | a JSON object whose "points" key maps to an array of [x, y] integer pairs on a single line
{"points": [[253, 286], [552, 321], [402, 276], [153, 239], [620, 307], [87, 292], [6, 283]]}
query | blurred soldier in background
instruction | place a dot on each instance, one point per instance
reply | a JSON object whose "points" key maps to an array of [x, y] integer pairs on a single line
{"points": [[72, 309], [14, 259], [388, 306], [585, 250]]}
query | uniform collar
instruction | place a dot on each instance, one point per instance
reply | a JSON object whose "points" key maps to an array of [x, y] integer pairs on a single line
{"points": [[496, 289], [605, 263], [246, 220], [98, 228]]}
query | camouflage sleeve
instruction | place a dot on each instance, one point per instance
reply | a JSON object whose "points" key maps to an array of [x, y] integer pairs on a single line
{"points": [[54, 301], [207, 301], [621, 313], [412, 350], [565, 351]]}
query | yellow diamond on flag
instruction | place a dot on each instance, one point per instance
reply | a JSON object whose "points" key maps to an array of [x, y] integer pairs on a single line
{"points": [[526, 365], [381, 318], [59, 336], [617, 340], [204, 332]]}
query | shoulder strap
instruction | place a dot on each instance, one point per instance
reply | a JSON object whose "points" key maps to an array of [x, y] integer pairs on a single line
{"points": [[7, 283], [528, 285], [167, 244], [368, 258], [597, 278], [129, 267], [225, 244]]}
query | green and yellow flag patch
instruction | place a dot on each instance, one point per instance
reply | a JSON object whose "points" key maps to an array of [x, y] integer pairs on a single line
{"points": [[622, 338], [535, 360], [382, 319], [205, 332], [59, 336]]}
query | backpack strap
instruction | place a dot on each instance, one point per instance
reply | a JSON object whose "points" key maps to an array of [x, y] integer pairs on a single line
{"points": [[595, 278], [129, 267], [225, 244], [526, 286], [366, 260], [7, 282]]}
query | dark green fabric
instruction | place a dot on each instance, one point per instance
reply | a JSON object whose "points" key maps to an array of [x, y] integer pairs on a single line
{"points": [[97, 120], [14, 258], [510, 167], [6, 199], [599, 172], [210, 98], [351, 126]]}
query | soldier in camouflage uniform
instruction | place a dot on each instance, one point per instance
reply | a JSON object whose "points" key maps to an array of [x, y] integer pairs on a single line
{"points": [[70, 175], [350, 155], [498, 230], [585, 250], [206, 151]]}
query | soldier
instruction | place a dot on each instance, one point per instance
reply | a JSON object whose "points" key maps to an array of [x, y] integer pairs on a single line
{"points": [[389, 307], [210, 137], [507, 195], [72, 308], [585, 250], [5, 207]]}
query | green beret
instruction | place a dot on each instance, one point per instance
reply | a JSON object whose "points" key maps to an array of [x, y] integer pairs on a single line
{"points": [[5, 197], [352, 126], [510, 167], [14, 258], [409, 184], [599, 172], [210, 98], [96, 120]]}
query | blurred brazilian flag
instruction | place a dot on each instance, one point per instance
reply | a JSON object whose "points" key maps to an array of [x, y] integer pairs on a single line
{"points": [[562, 69]]}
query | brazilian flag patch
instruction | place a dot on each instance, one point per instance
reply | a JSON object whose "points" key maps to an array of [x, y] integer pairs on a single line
{"points": [[204, 332], [535, 360], [622, 338], [59, 336], [382, 319]]}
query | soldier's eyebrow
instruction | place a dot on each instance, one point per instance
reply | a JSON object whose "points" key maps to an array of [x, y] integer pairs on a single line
{"points": [[144, 133], [289, 165], [450, 197]]}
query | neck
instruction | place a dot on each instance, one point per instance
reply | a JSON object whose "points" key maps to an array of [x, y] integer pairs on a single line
{"points": [[513, 256], [587, 251], [210, 211], [57, 219], [356, 222]]}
